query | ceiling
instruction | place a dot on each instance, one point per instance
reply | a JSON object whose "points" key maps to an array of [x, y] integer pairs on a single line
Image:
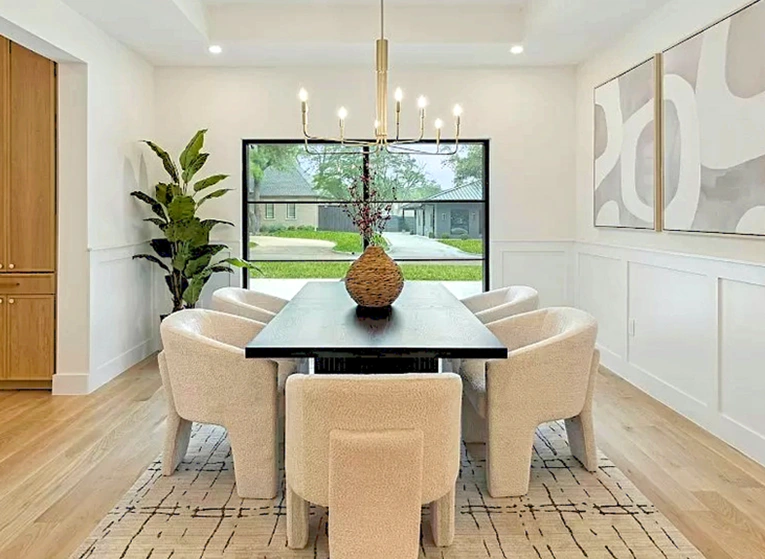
{"points": [[327, 32]]}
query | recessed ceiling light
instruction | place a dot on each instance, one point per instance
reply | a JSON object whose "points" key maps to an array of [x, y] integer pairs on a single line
{"points": [[516, 49], [215, 49]]}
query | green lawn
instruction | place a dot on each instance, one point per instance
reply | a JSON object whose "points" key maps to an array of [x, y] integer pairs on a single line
{"points": [[473, 246], [324, 270], [344, 241]]}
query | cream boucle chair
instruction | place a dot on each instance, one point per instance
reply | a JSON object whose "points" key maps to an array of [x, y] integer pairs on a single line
{"points": [[501, 303], [207, 379], [549, 375], [247, 303], [373, 449], [257, 306]]}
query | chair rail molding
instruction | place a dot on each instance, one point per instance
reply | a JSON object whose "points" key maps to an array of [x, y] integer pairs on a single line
{"points": [[685, 329]]}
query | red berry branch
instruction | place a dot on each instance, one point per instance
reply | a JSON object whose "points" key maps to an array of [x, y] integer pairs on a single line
{"points": [[369, 214]]}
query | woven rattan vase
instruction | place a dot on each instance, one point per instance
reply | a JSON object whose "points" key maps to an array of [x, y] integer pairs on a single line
{"points": [[374, 281]]}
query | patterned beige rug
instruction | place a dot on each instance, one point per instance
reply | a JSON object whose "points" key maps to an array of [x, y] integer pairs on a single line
{"points": [[568, 513]]}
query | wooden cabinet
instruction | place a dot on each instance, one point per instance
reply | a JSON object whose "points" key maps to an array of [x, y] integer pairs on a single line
{"points": [[5, 127], [31, 192], [27, 217]]}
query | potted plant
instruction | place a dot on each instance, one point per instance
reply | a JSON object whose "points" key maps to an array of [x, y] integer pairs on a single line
{"points": [[374, 280], [184, 251]]}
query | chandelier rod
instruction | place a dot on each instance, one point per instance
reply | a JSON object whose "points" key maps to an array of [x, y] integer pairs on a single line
{"points": [[382, 19]]}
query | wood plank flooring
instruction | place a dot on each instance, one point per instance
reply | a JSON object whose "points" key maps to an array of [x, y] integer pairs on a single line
{"points": [[65, 461]]}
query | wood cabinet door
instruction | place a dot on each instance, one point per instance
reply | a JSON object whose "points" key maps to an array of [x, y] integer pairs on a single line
{"points": [[3, 337], [30, 325], [5, 154], [31, 190]]}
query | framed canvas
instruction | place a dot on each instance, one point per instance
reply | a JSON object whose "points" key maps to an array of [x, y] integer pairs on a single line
{"points": [[625, 149], [714, 128]]}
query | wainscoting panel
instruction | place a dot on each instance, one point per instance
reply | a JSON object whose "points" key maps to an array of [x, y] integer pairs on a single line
{"points": [[742, 354], [544, 265], [693, 328], [123, 323], [603, 294], [671, 336]]}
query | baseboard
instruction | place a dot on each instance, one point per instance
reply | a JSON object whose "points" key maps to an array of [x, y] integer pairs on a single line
{"points": [[115, 367]]}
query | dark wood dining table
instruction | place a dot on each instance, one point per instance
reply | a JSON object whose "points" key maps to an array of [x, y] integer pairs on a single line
{"points": [[425, 324]]}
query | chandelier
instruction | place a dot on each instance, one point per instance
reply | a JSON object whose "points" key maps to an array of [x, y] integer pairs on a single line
{"points": [[383, 140]]}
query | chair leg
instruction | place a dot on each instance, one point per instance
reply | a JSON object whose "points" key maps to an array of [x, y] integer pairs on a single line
{"points": [[297, 520], [177, 436], [442, 519], [473, 425], [580, 429], [581, 440], [255, 467], [508, 459]]}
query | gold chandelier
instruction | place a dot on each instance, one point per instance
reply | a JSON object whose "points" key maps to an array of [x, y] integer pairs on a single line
{"points": [[383, 141]]}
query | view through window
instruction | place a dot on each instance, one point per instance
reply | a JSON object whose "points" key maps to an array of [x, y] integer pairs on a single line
{"points": [[296, 227]]}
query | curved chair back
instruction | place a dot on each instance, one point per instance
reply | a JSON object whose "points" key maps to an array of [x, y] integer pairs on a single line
{"points": [[502, 303], [204, 352], [551, 356], [323, 408], [247, 303]]}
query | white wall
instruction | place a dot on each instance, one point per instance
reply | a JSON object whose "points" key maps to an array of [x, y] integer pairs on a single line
{"points": [[106, 105], [527, 113], [676, 311]]}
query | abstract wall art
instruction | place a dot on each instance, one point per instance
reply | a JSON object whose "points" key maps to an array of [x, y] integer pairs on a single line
{"points": [[714, 128], [625, 149]]}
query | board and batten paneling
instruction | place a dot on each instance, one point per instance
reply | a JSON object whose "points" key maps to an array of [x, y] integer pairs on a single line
{"points": [[605, 299], [693, 328], [544, 265], [742, 353], [32, 196]]}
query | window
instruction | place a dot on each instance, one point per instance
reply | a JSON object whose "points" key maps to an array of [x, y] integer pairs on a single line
{"points": [[296, 225]]}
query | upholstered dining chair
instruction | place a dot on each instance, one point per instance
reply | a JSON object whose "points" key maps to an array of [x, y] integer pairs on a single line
{"points": [[208, 380], [247, 303], [501, 303], [257, 306], [549, 375], [373, 449]]}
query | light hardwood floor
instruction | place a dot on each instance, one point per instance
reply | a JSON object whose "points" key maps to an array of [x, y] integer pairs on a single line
{"points": [[65, 461]]}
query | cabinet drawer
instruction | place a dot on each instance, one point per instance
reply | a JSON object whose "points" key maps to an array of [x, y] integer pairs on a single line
{"points": [[28, 284]]}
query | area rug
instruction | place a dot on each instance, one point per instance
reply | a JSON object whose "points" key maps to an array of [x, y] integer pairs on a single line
{"points": [[569, 513]]}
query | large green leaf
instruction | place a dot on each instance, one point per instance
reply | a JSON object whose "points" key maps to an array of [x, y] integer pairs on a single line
{"points": [[249, 266], [167, 162], [208, 182], [152, 258], [181, 258], [192, 149], [215, 194], [212, 250], [165, 193], [162, 247], [181, 208], [208, 224], [188, 231], [194, 290], [156, 207], [197, 265], [194, 167], [219, 268]]}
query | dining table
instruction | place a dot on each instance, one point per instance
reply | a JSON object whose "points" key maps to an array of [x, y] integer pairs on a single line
{"points": [[427, 323]]}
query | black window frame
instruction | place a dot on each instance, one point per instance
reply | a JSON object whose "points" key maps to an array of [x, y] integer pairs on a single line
{"points": [[365, 154]]}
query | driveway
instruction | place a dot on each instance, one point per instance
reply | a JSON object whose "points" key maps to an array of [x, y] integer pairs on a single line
{"points": [[283, 248], [404, 245]]}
